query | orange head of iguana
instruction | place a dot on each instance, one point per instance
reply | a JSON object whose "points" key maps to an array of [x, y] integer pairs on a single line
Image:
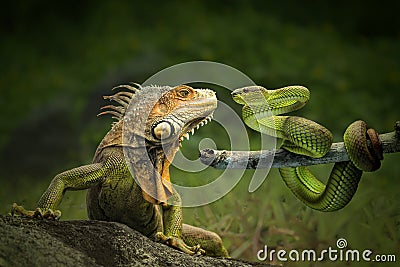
{"points": [[151, 123]]}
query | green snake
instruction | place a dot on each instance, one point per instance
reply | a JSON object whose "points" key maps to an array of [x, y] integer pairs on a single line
{"points": [[302, 136]]}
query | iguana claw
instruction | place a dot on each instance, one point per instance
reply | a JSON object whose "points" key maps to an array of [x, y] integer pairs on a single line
{"points": [[48, 214], [178, 243]]}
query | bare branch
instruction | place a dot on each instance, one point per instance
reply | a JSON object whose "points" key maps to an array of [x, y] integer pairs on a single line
{"points": [[223, 159]]}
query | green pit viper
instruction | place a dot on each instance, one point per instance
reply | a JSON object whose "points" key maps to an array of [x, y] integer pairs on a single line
{"points": [[302, 136]]}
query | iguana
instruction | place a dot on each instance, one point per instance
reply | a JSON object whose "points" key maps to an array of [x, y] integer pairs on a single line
{"points": [[128, 181]]}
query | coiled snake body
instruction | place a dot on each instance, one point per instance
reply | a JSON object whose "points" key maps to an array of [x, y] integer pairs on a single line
{"points": [[302, 136]]}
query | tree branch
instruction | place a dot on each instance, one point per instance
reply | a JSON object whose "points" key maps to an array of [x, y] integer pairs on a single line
{"points": [[223, 159]]}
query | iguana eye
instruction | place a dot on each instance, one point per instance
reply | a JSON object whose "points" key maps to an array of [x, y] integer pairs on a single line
{"points": [[183, 93], [163, 130]]}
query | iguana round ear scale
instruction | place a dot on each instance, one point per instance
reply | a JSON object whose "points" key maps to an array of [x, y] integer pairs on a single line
{"points": [[163, 130]]}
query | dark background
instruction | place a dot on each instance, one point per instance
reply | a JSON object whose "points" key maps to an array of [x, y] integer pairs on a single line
{"points": [[59, 57]]}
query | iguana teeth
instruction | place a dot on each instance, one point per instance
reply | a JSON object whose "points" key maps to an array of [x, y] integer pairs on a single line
{"points": [[187, 136], [206, 121], [198, 126], [192, 131], [202, 123]]}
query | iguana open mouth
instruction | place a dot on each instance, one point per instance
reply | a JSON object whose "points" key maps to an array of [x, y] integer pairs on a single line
{"points": [[194, 125]]}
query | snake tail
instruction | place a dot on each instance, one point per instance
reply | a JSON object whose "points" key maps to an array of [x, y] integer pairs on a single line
{"points": [[365, 155], [331, 197]]}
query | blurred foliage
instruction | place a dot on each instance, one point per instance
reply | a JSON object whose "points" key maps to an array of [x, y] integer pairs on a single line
{"points": [[59, 58]]}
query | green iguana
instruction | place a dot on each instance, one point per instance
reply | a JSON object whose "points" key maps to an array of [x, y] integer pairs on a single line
{"points": [[151, 124]]}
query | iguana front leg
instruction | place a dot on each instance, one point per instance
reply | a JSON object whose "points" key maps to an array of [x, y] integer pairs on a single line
{"points": [[37, 213], [189, 239], [172, 222], [75, 179]]}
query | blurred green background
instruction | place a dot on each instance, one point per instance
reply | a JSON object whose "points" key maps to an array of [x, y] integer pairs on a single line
{"points": [[59, 58]]}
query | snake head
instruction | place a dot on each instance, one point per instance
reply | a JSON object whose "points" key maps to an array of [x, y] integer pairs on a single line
{"points": [[250, 94], [278, 101]]}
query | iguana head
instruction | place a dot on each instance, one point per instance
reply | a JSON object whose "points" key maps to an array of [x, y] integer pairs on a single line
{"points": [[152, 121], [179, 112]]}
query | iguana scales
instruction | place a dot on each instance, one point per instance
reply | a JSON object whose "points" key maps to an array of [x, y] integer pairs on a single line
{"points": [[151, 124]]}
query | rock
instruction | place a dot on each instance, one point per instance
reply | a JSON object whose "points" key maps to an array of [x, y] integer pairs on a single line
{"points": [[35, 242]]}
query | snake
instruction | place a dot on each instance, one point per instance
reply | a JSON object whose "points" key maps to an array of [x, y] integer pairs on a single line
{"points": [[261, 111]]}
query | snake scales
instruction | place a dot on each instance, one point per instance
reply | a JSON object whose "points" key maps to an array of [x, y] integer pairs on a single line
{"points": [[261, 110]]}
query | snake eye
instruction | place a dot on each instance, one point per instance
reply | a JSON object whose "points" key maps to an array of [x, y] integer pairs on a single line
{"points": [[163, 130]]}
